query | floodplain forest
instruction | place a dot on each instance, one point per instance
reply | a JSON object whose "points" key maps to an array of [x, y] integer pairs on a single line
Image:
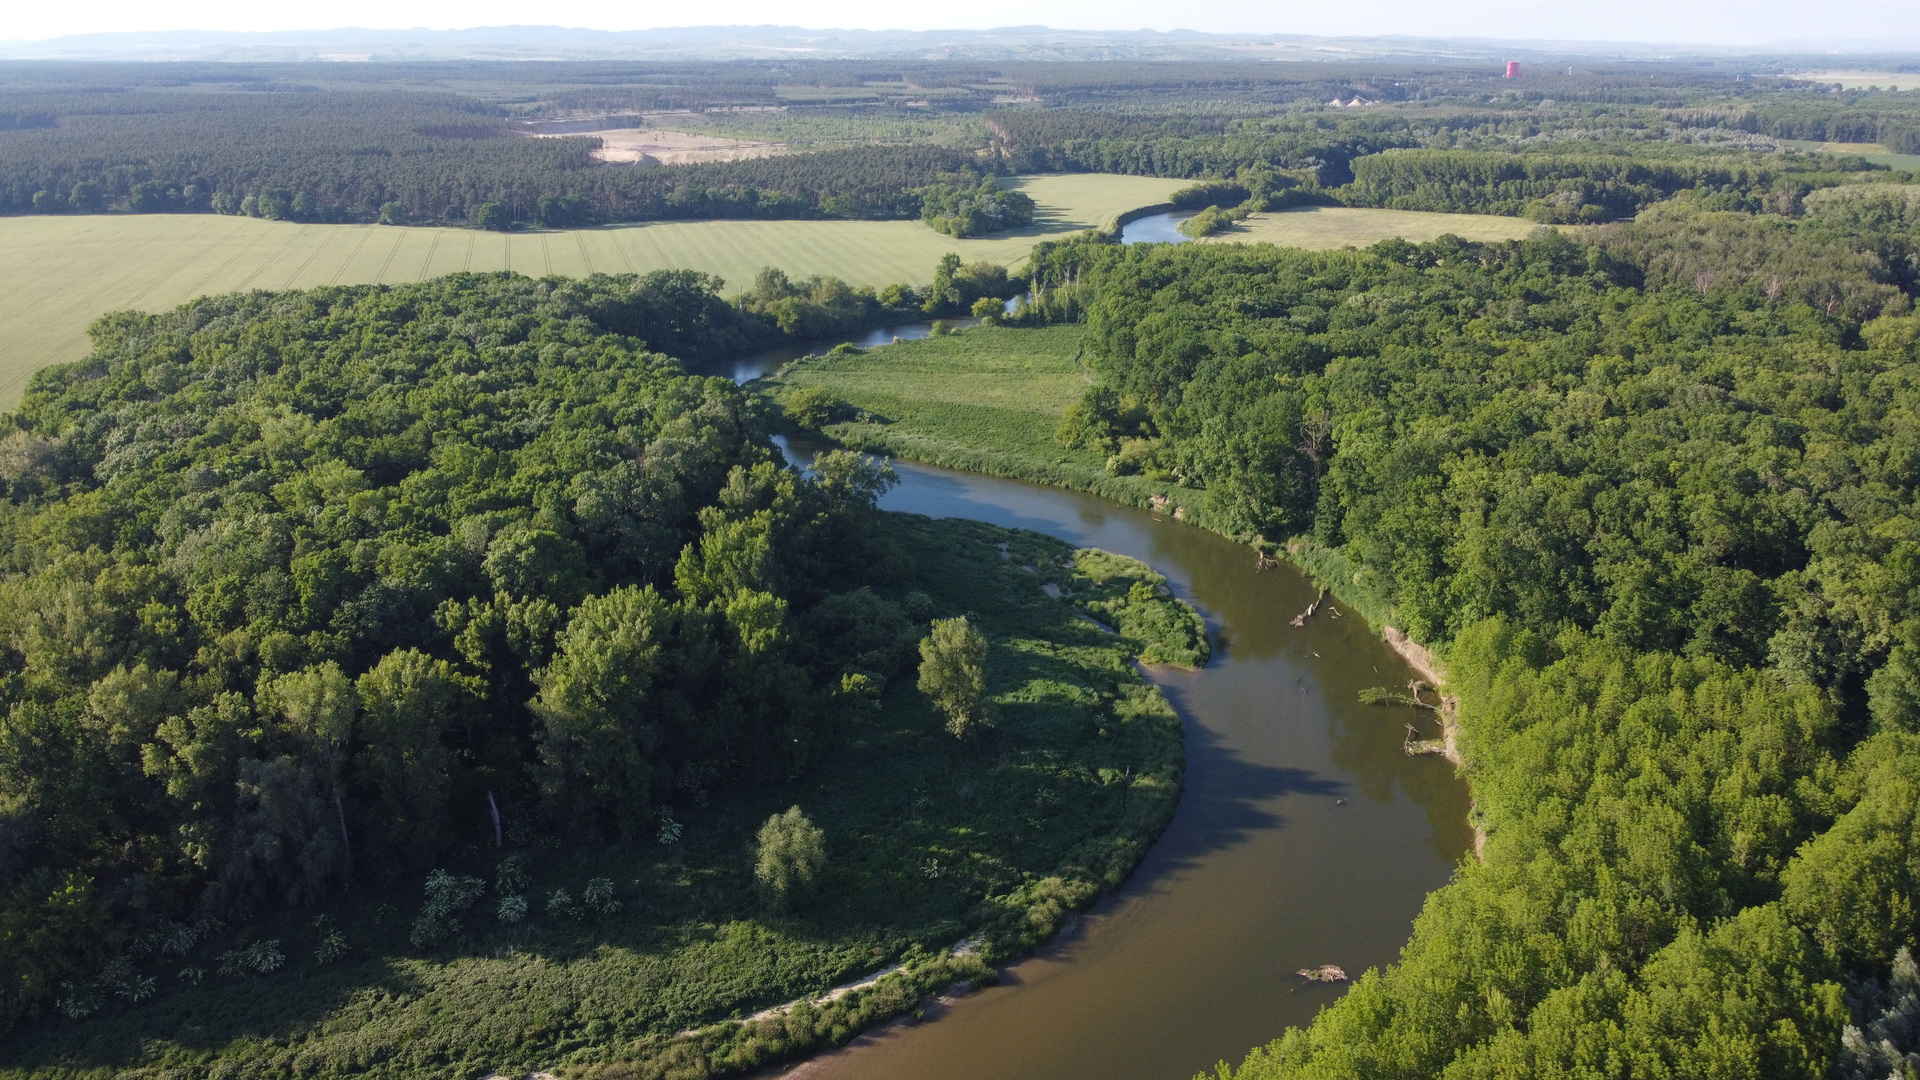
{"points": [[438, 678], [445, 626]]}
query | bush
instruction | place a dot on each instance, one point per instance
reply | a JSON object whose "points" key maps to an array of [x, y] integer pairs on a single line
{"points": [[813, 407], [447, 897]]}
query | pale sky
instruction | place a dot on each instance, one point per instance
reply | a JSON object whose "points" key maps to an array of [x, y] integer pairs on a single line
{"points": [[1726, 22]]}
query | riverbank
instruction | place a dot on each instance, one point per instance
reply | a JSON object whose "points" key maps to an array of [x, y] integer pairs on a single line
{"points": [[1305, 835], [988, 401]]}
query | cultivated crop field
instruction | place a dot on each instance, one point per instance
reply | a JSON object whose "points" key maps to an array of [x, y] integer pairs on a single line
{"points": [[60, 273], [1876, 153], [1339, 226]]}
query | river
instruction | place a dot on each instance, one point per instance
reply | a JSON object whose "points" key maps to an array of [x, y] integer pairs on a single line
{"points": [[1304, 836], [1156, 228]]}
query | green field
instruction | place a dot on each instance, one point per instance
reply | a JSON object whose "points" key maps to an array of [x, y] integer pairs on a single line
{"points": [[985, 400], [59, 273], [1339, 226], [1873, 152]]}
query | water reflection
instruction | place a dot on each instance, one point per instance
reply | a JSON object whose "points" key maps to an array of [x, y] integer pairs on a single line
{"points": [[750, 366], [1156, 229]]}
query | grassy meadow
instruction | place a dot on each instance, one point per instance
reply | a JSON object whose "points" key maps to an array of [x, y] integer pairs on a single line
{"points": [[61, 272], [986, 400], [1340, 226], [994, 840]]}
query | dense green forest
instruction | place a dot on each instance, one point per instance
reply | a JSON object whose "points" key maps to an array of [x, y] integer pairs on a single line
{"points": [[234, 528], [418, 158], [974, 211], [1650, 495], [310, 598]]}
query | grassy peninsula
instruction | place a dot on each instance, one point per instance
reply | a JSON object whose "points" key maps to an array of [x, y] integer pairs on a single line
{"points": [[989, 400]]}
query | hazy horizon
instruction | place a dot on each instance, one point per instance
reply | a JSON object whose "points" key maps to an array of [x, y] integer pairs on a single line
{"points": [[1865, 25]]}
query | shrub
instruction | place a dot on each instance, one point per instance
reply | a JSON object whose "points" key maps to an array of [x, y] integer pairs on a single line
{"points": [[599, 896], [813, 407], [260, 958], [447, 897], [513, 909]]}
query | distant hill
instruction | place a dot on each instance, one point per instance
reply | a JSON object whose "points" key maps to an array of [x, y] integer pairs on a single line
{"points": [[763, 42]]}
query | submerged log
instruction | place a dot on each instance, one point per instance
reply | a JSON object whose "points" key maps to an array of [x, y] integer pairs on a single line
{"points": [[1414, 745], [1323, 973], [1301, 619]]}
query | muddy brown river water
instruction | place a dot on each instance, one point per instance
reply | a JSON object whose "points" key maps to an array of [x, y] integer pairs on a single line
{"points": [[1304, 837]]}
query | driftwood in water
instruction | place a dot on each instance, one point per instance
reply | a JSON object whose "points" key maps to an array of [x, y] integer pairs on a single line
{"points": [[1262, 560], [1414, 745], [1323, 973], [1301, 619], [1380, 695]]}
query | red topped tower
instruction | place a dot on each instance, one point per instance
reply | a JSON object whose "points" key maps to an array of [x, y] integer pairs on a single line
{"points": [[1513, 69]]}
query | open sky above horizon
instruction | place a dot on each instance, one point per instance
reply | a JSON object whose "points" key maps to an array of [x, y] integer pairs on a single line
{"points": [[1703, 22]]}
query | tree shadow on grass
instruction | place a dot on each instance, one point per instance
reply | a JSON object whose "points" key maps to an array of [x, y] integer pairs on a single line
{"points": [[208, 1019]]}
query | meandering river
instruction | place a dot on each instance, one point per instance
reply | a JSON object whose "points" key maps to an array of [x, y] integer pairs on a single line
{"points": [[1304, 836]]}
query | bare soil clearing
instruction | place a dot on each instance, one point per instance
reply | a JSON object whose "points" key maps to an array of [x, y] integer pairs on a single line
{"points": [[1339, 226], [643, 146]]}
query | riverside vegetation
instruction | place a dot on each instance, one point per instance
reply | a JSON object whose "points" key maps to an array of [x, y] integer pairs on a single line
{"points": [[1649, 494], [436, 678]]}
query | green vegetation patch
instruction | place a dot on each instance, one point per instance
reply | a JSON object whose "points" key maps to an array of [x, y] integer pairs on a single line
{"points": [[1127, 595], [986, 400]]}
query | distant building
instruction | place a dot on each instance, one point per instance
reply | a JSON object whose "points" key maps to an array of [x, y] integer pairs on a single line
{"points": [[1513, 69]]}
